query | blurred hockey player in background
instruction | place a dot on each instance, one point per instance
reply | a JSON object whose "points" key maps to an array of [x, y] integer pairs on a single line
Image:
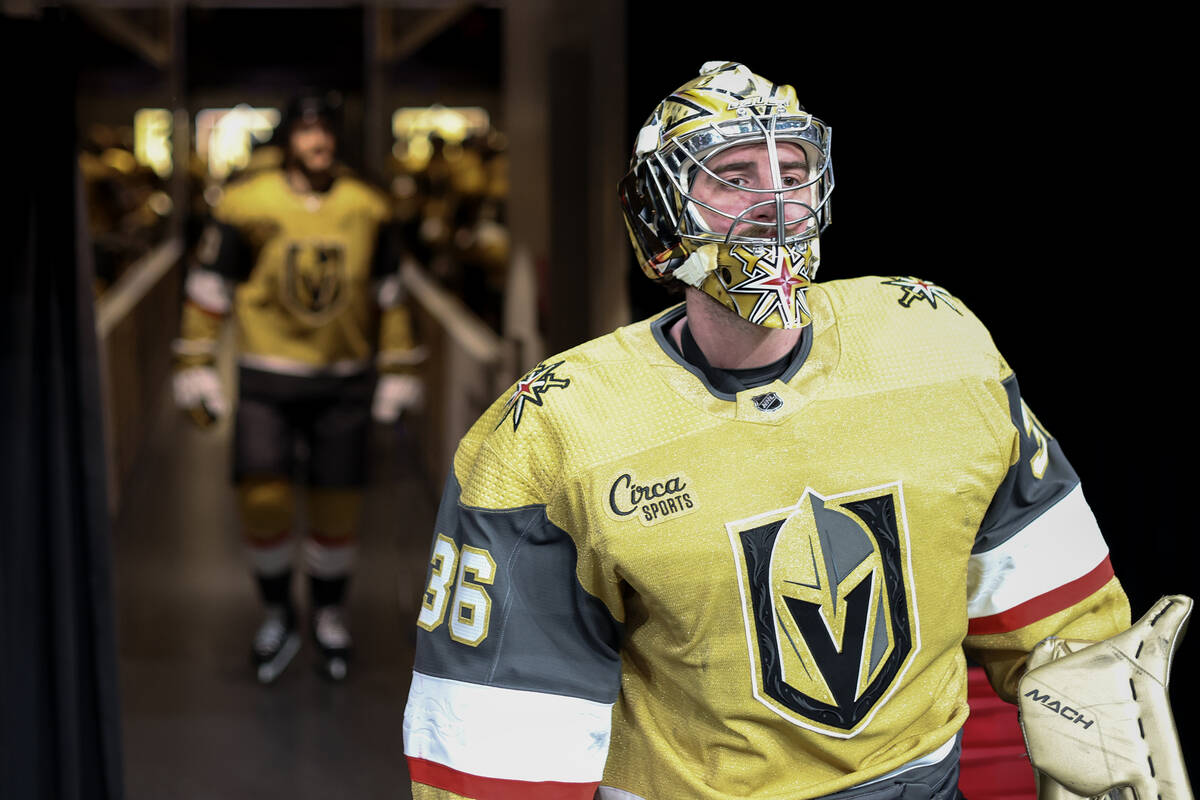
{"points": [[304, 257]]}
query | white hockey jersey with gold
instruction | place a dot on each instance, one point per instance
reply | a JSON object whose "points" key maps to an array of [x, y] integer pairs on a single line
{"points": [[641, 583]]}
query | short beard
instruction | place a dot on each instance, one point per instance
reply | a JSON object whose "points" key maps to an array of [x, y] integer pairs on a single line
{"points": [[319, 181], [723, 315]]}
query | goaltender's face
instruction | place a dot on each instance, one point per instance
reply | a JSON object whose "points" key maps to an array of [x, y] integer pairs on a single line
{"points": [[313, 145], [746, 167]]}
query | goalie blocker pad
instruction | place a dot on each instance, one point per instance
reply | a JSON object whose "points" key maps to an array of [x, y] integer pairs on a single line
{"points": [[1096, 716]]}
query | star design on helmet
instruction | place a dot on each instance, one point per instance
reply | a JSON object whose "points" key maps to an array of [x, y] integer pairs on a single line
{"points": [[916, 289], [530, 388], [710, 99], [780, 279]]}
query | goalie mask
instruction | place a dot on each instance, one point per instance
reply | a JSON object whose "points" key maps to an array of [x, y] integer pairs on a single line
{"points": [[728, 190]]}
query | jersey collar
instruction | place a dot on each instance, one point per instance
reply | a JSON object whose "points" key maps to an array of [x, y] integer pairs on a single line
{"points": [[800, 383]]}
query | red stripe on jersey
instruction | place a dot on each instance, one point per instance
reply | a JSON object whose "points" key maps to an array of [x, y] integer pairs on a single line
{"points": [[1043, 605], [207, 311], [440, 776], [266, 542]]}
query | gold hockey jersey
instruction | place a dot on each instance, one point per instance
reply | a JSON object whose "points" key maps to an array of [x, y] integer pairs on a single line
{"points": [[306, 277], [643, 586]]}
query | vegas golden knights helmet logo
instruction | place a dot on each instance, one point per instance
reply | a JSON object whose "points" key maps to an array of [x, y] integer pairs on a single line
{"points": [[831, 619], [314, 280]]}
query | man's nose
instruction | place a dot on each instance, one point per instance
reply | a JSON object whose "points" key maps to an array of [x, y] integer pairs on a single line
{"points": [[763, 210]]}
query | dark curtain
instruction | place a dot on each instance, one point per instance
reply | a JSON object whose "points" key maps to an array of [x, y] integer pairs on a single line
{"points": [[59, 711]]}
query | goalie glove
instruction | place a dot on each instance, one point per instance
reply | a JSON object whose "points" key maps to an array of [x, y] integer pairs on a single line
{"points": [[198, 391], [1096, 716], [394, 394]]}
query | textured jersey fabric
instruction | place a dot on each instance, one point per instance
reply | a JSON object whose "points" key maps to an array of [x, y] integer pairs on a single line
{"points": [[643, 582]]}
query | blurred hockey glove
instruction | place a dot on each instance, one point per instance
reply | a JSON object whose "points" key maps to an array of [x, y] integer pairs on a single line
{"points": [[395, 394], [198, 392], [1097, 716]]}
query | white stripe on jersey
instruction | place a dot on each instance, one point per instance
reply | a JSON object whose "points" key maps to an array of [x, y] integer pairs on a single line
{"points": [[928, 760], [1063, 544], [389, 292], [610, 793], [508, 734], [208, 290]]}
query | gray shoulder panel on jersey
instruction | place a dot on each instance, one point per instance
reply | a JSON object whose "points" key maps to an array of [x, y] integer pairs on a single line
{"points": [[1022, 497], [546, 633]]}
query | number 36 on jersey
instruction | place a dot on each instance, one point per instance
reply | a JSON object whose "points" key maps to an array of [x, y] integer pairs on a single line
{"points": [[457, 581]]}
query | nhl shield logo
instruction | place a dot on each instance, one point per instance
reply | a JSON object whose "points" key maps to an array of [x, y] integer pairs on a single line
{"points": [[767, 402], [830, 615]]}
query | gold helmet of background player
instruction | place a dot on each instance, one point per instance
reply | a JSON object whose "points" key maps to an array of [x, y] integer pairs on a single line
{"points": [[760, 270]]}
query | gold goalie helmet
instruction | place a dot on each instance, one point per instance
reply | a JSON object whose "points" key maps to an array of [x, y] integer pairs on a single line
{"points": [[756, 257]]}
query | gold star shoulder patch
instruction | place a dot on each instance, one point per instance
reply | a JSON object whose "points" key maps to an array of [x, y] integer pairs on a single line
{"points": [[915, 290], [530, 390]]}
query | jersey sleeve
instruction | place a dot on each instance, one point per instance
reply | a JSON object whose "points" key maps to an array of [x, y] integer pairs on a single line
{"points": [[518, 659], [399, 350], [222, 259], [1039, 566]]}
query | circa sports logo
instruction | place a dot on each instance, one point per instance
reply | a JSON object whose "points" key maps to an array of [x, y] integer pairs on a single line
{"points": [[649, 502], [828, 605]]}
